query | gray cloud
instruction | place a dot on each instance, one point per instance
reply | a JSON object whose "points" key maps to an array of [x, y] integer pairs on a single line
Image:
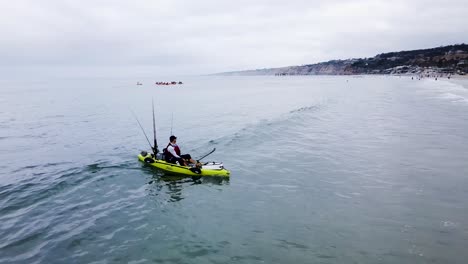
{"points": [[196, 37]]}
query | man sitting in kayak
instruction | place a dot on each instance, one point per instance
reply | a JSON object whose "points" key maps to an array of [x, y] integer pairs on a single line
{"points": [[172, 153]]}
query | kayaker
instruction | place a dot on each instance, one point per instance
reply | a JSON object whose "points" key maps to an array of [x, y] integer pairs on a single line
{"points": [[172, 153]]}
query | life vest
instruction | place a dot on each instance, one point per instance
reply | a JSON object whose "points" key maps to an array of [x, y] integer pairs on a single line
{"points": [[169, 154]]}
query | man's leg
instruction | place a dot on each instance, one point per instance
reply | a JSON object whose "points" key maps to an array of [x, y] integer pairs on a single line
{"points": [[181, 161], [188, 158]]}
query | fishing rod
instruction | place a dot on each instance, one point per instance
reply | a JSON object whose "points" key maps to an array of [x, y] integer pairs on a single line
{"points": [[136, 118], [155, 148], [172, 121], [207, 154]]}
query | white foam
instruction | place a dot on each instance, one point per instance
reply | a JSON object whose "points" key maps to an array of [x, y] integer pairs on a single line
{"points": [[454, 97], [343, 195], [449, 91]]}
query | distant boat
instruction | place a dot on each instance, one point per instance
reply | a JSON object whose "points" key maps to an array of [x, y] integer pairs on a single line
{"points": [[168, 83], [139, 83]]}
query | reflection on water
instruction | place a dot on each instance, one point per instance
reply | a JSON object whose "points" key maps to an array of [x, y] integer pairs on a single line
{"points": [[173, 185]]}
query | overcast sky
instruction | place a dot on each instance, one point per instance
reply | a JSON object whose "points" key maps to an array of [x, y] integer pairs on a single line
{"points": [[150, 37]]}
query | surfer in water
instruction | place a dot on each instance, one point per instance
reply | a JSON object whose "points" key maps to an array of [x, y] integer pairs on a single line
{"points": [[172, 153]]}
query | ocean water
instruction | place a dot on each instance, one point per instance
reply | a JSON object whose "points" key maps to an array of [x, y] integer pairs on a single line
{"points": [[323, 170]]}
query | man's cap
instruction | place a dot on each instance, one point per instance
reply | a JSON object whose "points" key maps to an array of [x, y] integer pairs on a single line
{"points": [[172, 138]]}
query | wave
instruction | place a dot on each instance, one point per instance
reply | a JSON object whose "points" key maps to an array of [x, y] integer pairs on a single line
{"points": [[46, 204], [267, 130], [48, 180], [306, 109], [456, 98], [450, 91], [40, 166]]}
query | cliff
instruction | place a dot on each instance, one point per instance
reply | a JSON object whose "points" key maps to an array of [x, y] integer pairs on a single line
{"points": [[451, 59]]}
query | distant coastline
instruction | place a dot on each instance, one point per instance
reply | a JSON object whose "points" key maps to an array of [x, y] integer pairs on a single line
{"points": [[440, 61]]}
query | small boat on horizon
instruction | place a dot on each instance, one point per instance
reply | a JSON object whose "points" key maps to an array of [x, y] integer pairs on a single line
{"points": [[168, 83]]}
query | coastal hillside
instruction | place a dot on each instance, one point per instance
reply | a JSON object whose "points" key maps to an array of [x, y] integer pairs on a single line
{"points": [[451, 59]]}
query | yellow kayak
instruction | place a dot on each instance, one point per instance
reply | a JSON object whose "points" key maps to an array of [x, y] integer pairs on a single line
{"points": [[207, 169]]}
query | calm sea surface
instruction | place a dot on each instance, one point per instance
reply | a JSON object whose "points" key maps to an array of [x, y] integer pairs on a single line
{"points": [[323, 170]]}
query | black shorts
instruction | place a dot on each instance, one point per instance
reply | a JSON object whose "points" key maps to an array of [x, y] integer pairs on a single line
{"points": [[180, 160], [186, 156]]}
